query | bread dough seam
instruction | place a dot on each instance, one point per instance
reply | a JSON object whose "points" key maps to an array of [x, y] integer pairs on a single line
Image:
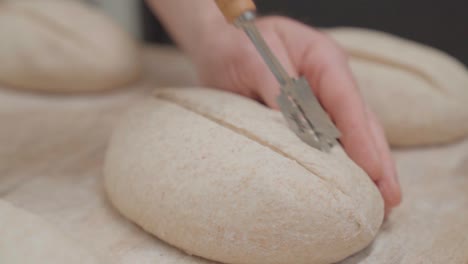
{"points": [[366, 56], [257, 140]]}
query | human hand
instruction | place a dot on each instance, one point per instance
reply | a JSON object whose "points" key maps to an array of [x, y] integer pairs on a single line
{"points": [[226, 59]]}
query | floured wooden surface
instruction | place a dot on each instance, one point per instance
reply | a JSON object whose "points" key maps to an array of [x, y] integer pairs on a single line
{"points": [[52, 149]]}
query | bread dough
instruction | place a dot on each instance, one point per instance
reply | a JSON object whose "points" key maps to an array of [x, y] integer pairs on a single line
{"points": [[223, 177], [419, 93], [63, 46], [27, 239]]}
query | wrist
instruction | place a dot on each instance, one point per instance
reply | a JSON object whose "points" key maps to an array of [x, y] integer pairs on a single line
{"points": [[210, 35], [190, 23]]}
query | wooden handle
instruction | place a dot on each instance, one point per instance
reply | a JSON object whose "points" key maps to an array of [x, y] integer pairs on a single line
{"points": [[232, 9]]}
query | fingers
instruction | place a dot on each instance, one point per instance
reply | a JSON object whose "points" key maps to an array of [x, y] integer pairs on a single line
{"points": [[363, 138], [388, 183], [342, 101], [326, 68]]}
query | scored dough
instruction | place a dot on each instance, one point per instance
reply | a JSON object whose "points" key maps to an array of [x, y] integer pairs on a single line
{"points": [[27, 239], [63, 46], [420, 94], [222, 177]]}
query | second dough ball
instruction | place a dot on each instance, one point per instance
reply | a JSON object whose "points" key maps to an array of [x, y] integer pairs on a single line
{"points": [[419, 93], [63, 46]]}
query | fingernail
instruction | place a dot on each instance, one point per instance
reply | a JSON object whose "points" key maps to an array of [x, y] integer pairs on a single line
{"points": [[391, 191], [383, 193], [382, 189], [395, 186], [387, 213], [376, 156]]}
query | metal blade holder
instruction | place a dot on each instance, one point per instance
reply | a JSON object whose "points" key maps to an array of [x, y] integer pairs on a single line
{"points": [[300, 107]]}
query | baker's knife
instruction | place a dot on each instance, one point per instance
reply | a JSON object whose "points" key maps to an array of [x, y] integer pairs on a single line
{"points": [[303, 112]]}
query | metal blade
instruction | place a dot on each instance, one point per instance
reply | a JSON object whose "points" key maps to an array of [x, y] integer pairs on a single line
{"points": [[302, 110], [319, 119], [306, 116], [296, 121]]}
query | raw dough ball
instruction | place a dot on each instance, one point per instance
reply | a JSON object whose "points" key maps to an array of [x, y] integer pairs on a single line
{"points": [[223, 177], [27, 239], [63, 46], [419, 93]]}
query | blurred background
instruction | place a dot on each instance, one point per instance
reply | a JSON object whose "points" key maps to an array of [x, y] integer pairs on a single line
{"points": [[441, 24]]}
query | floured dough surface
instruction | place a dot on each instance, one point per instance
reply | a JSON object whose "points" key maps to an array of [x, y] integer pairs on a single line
{"points": [[27, 239], [419, 93], [223, 177], [63, 46]]}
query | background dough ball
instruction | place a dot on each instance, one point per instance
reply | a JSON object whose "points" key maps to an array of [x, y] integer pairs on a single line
{"points": [[26, 239], [223, 177], [63, 46], [419, 93]]}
